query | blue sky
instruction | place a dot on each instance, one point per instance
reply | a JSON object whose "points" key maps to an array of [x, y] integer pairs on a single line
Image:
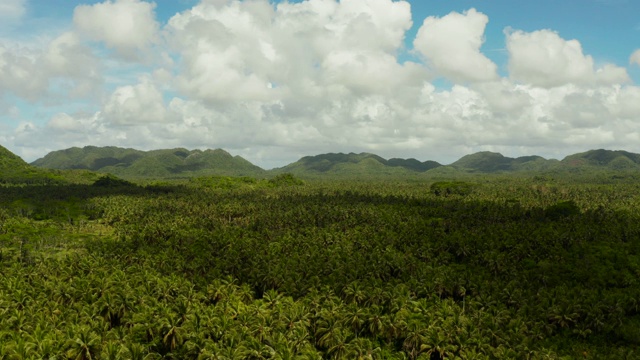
{"points": [[118, 72]]}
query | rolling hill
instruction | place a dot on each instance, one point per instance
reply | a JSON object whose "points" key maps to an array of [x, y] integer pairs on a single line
{"points": [[490, 162], [167, 163], [358, 165], [182, 163], [604, 159], [14, 170]]}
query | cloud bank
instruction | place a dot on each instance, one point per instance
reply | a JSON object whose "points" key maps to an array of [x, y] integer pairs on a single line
{"points": [[274, 82]]}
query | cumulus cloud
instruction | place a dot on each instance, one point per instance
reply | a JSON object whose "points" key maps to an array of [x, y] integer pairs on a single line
{"points": [[135, 105], [17, 69], [65, 63], [259, 51], [451, 45], [543, 58], [12, 10], [124, 25], [635, 58], [63, 122], [277, 81]]}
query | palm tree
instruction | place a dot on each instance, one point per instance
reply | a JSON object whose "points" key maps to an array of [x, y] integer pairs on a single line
{"points": [[413, 342], [44, 345], [171, 331], [112, 351], [354, 293], [362, 349], [337, 346], [374, 323], [21, 348], [355, 319], [133, 351], [84, 345], [110, 307]]}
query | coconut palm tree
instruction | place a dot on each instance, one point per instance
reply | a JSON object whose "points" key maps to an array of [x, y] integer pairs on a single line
{"points": [[84, 345]]}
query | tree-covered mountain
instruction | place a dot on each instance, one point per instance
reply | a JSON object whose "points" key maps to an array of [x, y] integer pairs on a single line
{"points": [[166, 163], [491, 162], [14, 170], [352, 164], [181, 163], [9, 160], [606, 159]]}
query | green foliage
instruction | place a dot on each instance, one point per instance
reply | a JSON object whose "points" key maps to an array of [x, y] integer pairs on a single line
{"points": [[446, 188], [224, 182], [562, 209], [326, 270], [285, 179], [111, 181]]}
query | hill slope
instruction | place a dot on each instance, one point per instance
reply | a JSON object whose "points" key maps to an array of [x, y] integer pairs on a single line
{"points": [[352, 164], [490, 162], [605, 159], [180, 163], [167, 163], [14, 170]]}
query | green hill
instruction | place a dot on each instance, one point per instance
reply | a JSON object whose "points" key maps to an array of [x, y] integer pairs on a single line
{"points": [[167, 163], [89, 158], [413, 164], [355, 165], [605, 159], [490, 162], [14, 170], [9, 160], [182, 163]]}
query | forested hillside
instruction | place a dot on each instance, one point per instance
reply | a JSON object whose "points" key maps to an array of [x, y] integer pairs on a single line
{"points": [[349, 165], [182, 163], [13, 170], [490, 162], [167, 163]]}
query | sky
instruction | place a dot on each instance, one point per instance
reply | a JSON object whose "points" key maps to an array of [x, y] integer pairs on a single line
{"points": [[273, 81]]}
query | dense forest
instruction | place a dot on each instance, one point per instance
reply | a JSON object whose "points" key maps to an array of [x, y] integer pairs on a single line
{"points": [[491, 267]]}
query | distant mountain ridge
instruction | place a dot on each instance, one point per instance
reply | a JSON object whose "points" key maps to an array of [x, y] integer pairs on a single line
{"points": [[179, 162], [163, 163], [610, 159], [491, 162], [363, 164]]}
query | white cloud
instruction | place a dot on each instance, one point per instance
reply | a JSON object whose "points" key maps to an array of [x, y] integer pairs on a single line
{"points": [[135, 105], [635, 58], [551, 122], [12, 10], [68, 59], [451, 45], [254, 51], [64, 63], [274, 82], [543, 58], [124, 25], [64, 122], [19, 73]]}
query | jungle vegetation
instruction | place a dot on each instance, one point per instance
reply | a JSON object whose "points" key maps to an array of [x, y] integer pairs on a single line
{"points": [[221, 267]]}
